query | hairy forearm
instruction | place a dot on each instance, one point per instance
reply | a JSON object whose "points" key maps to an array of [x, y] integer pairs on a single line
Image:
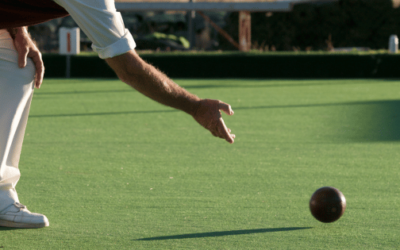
{"points": [[149, 81], [146, 79]]}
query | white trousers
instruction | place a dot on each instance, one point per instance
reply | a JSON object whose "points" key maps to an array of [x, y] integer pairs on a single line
{"points": [[16, 90]]}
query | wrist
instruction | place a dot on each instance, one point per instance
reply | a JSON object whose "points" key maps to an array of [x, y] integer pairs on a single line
{"points": [[195, 107], [22, 30], [17, 31]]}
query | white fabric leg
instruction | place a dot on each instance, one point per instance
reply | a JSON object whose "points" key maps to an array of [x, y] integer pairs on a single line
{"points": [[16, 89]]}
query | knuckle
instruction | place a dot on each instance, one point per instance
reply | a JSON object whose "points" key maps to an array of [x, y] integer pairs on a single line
{"points": [[37, 53], [23, 50]]}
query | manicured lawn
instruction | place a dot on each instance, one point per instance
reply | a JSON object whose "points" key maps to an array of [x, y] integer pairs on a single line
{"points": [[114, 170]]}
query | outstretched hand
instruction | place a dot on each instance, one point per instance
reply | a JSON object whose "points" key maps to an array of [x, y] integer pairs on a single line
{"points": [[27, 48], [209, 116]]}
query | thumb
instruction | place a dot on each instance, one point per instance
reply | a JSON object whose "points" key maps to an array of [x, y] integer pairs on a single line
{"points": [[226, 108], [22, 57]]}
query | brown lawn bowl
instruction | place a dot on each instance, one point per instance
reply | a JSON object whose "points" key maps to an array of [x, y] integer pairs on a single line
{"points": [[327, 204]]}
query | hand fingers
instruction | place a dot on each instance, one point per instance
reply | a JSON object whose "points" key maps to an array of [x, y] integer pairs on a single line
{"points": [[22, 56], [226, 108], [218, 131], [39, 78], [223, 131], [232, 135], [37, 60]]}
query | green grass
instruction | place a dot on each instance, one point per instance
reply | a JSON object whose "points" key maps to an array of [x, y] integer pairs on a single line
{"points": [[114, 170]]}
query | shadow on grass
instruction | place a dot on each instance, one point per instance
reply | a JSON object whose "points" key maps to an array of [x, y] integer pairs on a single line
{"points": [[38, 93], [355, 121], [270, 83], [250, 83], [235, 108], [383, 102], [102, 113], [13, 228], [224, 233]]}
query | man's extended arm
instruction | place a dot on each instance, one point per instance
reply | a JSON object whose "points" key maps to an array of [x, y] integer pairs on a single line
{"points": [[132, 70], [26, 48], [114, 43]]}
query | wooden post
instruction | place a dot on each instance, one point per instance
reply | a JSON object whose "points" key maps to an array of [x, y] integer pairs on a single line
{"points": [[190, 15], [221, 31], [244, 30]]}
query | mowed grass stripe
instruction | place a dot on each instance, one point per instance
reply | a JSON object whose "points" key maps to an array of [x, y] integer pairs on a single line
{"points": [[114, 170]]}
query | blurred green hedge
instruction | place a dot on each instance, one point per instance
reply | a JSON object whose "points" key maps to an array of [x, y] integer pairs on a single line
{"points": [[242, 65]]}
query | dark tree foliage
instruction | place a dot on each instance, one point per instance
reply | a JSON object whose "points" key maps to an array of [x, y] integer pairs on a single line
{"points": [[346, 23]]}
